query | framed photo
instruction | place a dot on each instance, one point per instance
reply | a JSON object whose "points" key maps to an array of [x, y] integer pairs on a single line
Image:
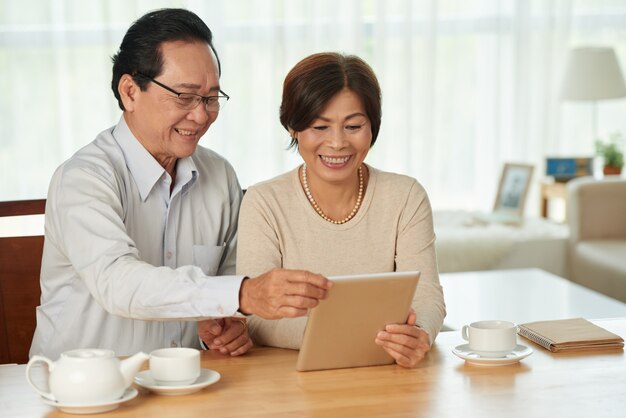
{"points": [[514, 184]]}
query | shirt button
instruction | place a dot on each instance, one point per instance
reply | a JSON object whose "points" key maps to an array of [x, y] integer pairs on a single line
{"points": [[174, 344], [168, 255], [220, 309]]}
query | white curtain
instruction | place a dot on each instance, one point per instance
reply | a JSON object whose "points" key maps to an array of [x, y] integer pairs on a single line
{"points": [[467, 85]]}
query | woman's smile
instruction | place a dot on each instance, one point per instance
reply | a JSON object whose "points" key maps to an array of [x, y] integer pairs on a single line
{"points": [[335, 161]]}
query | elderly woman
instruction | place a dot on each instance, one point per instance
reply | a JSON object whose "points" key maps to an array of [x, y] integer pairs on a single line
{"points": [[336, 215]]}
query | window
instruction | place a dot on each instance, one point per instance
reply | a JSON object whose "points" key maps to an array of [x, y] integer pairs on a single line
{"points": [[466, 85]]}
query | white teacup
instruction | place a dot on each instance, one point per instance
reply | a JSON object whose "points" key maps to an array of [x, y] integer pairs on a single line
{"points": [[491, 338], [175, 366]]}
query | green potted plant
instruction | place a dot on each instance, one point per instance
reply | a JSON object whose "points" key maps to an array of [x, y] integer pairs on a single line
{"points": [[611, 153]]}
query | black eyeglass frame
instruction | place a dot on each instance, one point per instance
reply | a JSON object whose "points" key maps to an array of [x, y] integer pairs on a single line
{"points": [[204, 99]]}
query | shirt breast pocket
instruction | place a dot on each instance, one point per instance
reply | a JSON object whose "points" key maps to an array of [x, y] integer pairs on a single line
{"points": [[208, 258]]}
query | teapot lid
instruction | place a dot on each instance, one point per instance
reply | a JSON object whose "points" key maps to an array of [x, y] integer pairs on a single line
{"points": [[88, 353]]}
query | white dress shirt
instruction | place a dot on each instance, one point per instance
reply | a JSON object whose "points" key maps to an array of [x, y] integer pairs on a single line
{"points": [[127, 265]]}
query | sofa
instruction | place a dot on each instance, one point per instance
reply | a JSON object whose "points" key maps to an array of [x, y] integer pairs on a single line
{"points": [[470, 241], [596, 214]]}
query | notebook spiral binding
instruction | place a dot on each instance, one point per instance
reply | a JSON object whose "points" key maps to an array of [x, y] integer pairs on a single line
{"points": [[542, 341]]}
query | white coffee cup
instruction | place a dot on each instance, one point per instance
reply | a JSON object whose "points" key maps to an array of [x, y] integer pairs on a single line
{"points": [[491, 338], [175, 366]]}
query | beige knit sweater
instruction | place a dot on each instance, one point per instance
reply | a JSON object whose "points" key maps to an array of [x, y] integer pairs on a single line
{"points": [[392, 231]]}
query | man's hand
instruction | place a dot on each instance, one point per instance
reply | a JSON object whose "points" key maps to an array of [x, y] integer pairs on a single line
{"points": [[228, 335], [406, 343], [282, 293]]}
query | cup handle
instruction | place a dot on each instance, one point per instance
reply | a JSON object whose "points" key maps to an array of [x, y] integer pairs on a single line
{"points": [[464, 332], [31, 362]]}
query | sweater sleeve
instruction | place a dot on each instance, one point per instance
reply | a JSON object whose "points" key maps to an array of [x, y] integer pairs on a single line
{"points": [[415, 250], [258, 247], [259, 250]]}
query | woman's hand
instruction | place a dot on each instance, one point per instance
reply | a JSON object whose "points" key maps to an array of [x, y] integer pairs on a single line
{"points": [[406, 343], [228, 335]]}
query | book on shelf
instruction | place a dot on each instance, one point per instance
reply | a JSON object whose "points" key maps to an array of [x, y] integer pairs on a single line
{"points": [[568, 335]]}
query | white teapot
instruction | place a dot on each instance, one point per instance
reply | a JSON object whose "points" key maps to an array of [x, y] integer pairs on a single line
{"points": [[87, 376]]}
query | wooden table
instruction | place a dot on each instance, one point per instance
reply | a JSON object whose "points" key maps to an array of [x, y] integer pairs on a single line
{"points": [[264, 383], [521, 295], [552, 190]]}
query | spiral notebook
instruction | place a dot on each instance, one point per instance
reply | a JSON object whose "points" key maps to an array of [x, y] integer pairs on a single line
{"points": [[570, 335]]}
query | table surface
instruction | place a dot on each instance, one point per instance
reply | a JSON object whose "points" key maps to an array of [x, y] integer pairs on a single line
{"points": [[521, 295], [264, 383]]}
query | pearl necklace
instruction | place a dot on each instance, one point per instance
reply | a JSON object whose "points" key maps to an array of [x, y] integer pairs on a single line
{"points": [[319, 211]]}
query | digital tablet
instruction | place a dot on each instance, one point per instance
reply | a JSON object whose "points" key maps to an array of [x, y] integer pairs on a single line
{"points": [[340, 331]]}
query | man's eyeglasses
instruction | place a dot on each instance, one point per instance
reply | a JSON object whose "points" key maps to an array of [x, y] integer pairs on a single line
{"points": [[189, 101]]}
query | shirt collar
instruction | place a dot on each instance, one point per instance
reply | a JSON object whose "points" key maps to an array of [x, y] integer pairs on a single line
{"points": [[144, 168], [186, 173]]}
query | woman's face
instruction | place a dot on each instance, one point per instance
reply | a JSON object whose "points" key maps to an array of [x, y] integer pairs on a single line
{"points": [[337, 142]]}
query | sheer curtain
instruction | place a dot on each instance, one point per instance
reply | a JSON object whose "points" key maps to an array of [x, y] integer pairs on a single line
{"points": [[466, 85]]}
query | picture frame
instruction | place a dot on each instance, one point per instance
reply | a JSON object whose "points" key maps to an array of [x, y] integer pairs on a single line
{"points": [[513, 189]]}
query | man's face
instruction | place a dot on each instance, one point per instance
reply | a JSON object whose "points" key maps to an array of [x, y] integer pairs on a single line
{"points": [[164, 129]]}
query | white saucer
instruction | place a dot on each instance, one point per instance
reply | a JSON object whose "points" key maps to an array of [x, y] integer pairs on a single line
{"points": [[518, 353], [207, 377], [129, 394]]}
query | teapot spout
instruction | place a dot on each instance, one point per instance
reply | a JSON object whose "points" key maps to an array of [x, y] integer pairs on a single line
{"points": [[130, 367]]}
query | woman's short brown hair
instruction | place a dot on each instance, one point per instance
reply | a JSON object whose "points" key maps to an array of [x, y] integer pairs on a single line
{"points": [[316, 79]]}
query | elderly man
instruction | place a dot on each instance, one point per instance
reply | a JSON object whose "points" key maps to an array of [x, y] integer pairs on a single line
{"points": [[141, 224]]}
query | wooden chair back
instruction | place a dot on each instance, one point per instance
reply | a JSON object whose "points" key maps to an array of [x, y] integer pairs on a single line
{"points": [[20, 292]]}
